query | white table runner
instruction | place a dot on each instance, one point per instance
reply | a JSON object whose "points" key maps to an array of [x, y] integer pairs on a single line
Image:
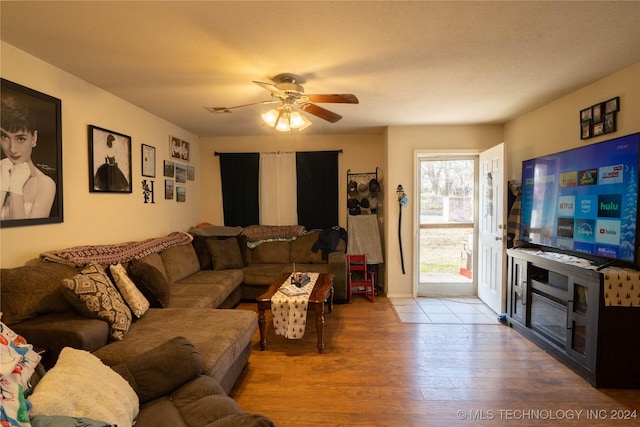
{"points": [[290, 312]]}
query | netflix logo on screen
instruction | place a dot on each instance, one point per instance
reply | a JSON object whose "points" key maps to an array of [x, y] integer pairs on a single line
{"points": [[566, 206]]}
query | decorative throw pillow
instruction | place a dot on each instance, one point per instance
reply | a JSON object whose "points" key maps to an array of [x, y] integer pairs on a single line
{"points": [[80, 385], [93, 294], [151, 282], [225, 254], [132, 296]]}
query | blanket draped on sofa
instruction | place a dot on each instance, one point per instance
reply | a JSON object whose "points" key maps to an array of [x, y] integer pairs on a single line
{"points": [[79, 256]]}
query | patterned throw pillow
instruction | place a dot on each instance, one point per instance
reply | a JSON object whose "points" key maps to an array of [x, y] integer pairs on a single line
{"points": [[132, 295], [92, 293]]}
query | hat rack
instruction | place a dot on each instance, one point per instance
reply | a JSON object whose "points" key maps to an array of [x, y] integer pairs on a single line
{"points": [[361, 200]]}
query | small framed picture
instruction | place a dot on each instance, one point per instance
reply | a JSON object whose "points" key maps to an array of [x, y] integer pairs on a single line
{"points": [[609, 122], [181, 173], [168, 189], [109, 161], [178, 149], [598, 129], [596, 114], [585, 115], [148, 161], [585, 129], [191, 173], [181, 194], [169, 168], [612, 105]]}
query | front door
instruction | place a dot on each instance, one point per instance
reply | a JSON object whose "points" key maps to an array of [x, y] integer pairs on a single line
{"points": [[492, 229]]}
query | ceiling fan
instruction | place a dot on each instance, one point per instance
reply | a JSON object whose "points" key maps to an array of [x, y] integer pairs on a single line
{"points": [[291, 99]]}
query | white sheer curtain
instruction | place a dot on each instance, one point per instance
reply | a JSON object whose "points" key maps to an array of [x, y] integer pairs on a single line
{"points": [[277, 197]]}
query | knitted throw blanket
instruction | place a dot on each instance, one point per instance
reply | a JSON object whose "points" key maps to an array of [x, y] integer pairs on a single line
{"points": [[79, 256]]}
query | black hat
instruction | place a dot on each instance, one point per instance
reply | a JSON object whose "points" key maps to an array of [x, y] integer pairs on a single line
{"points": [[364, 203], [354, 206], [374, 187]]}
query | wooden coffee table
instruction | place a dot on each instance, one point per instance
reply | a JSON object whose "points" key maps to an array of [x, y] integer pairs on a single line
{"points": [[322, 292]]}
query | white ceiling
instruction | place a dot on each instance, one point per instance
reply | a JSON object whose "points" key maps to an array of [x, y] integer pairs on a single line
{"points": [[409, 62]]}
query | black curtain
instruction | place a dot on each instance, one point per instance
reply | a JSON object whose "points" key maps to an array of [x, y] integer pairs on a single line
{"points": [[239, 175], [317, 176]]}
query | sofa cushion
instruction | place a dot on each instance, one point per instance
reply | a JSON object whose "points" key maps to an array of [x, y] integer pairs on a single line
{"points": [[65, 421], [30, 291], [159, 371], [219, 335], [131, 294], [262, 274], [301, 250], [179, 262], [151, 281], [205, 289], [92, 294], [271, 253], [80, 385], [225, 254], [202, 251]]}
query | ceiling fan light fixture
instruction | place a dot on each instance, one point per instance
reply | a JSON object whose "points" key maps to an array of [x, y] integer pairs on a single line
{"points": [[298, 121], [270, 117]]}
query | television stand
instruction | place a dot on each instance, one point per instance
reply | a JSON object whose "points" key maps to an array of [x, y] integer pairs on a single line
{"points": [[572, 309]]}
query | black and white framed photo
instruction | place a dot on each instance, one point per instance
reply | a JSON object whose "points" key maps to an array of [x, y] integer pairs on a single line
{"points": [[178, 149], [181, 173], [609, 122], [169, 168], [191, 173], [181, 194], [612, 105], [168, 189], [31, 162], [148, 161], [109, 161]]}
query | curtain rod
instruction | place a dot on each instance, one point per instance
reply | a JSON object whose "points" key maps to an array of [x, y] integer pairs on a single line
{"points": [[217, 153]]}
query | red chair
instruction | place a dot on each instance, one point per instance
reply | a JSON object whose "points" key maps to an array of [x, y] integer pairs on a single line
{"points": [[360, 280]]}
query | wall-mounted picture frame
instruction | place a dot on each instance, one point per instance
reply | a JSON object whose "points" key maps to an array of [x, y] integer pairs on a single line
{"points": [[598, 129], [178, 149], [585, 115], [169, 168], [31, 177], [168, 189], [109, 161], [612, 105], [609, 122], [181, 173], [181, 194], [596, 114], [585, 129], [148, 161], [191, 173]]}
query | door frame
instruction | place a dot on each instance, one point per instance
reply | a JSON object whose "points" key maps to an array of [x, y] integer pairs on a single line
{"points": [[435, 155]]}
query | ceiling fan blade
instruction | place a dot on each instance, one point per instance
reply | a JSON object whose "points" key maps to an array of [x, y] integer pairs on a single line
{"points": [[323, 113], [270, 87], [344, 98], [227, 109]]}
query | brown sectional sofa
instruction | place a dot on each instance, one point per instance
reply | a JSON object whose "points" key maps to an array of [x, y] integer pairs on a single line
{"points": [[34, 306], [263, 262]]}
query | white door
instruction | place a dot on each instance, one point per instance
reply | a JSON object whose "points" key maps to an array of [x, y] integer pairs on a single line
{"points": [[492, 229]]}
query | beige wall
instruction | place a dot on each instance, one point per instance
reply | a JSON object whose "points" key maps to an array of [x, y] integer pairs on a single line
{"points": [[556, 127], [360, 153], [401, 146], [96, 218]]}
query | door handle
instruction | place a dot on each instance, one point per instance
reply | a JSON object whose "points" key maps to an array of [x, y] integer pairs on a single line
{"points": [[498, 238]]}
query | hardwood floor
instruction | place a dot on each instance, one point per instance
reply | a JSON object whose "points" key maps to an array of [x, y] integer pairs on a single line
{"points": [[376, 371]]}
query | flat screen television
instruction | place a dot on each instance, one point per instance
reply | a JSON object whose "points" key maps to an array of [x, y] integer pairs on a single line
{"points": [[584, 200]]}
